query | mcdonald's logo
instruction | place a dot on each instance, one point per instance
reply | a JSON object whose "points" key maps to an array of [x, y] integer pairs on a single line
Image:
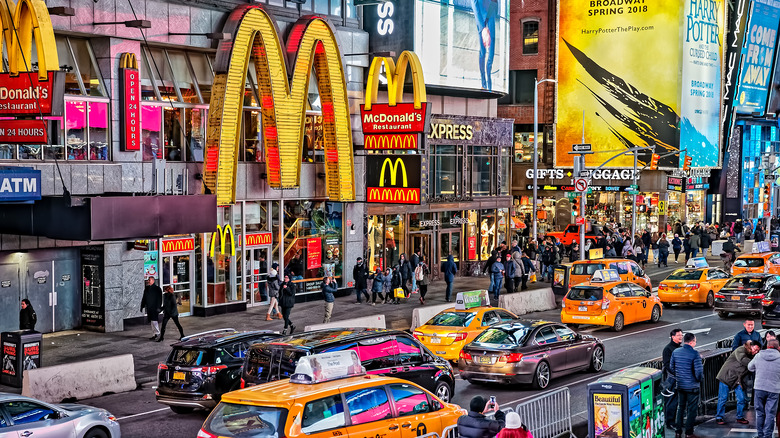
{"points": [[394, 117], [257, 239], [178, 245], [223, 232], [391, 141], [312, 43], [393, 179], [130, 100]]}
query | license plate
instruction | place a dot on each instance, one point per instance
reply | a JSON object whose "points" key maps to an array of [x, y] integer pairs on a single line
{"points": [[735, 298], [435, 340], [179, 376], [578, 317], [582, 308], [485, 359]]}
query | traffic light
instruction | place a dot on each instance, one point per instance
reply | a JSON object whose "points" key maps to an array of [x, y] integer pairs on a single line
{"points": [[575, 206], [687, 163], [654, 162], [766, 191]]}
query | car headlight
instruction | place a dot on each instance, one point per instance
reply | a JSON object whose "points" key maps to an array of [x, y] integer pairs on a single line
{"points": [[110, 417]]}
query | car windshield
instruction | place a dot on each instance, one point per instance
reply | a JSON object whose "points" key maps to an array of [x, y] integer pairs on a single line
{"points": [[744, 283], [749, 262], [586, 268], [585, 293], [511, 336], [231, 419], [682, 274], [452, 319], [190, 357]]}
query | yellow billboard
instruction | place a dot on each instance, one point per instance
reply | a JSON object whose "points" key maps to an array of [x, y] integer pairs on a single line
{"points": [[619, 70]]}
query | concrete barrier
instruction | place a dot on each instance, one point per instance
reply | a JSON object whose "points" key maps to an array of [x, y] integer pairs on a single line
{"points": [[535, 300], [421, 315], [80, 380], [372, 321]]}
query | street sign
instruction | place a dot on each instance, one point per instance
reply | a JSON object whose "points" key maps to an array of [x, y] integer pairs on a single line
{"points": [[633, 192], [634, 186], [571, 195], [580, 221], [580, 184], [584, 147], [770, 177]]}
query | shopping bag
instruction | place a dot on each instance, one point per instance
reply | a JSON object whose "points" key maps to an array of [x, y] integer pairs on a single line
{"points": [[533, 278], [399, 293]]}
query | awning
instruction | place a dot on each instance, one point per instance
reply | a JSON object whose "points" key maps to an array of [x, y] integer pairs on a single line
{"points": [[110, 217], [517, 223]]}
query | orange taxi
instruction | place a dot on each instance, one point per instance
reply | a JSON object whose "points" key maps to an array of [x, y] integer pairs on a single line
{"points": [[330, 395], [608, 300], [450, 330], [757, 263], [582, 270], [692, 286]]}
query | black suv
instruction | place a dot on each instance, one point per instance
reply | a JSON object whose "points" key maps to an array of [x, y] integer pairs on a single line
{"points": [[386, 352], [771, 303], [202, 367]]}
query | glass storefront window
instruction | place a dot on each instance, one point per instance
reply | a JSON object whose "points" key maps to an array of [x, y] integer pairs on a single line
{"points": [[67, 64], [506, 171], [184, 81], [76, 125], [222, 278], [472, 234], [161, 72], [203, 74], [7, 152], [487, 233], [98, 131], [503, 225], [195, 122], [252, 145], [256, 215], [375, 239], [448, 168], [313, 239], [481, 170], [151, 128], [148, 90], [85, 60], [172, 132]]}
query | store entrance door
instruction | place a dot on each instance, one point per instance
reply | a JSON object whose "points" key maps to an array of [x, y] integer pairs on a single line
{"points": [[256, 275], [177, 271], [450, 244], [421, 241]]}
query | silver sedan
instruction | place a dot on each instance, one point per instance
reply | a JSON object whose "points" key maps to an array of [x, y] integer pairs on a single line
{"points": [[27, 417]]}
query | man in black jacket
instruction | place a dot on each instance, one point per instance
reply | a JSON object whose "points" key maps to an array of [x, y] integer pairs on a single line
{"points": [[670, 403], [170, 310], [360, 275], [475, 425], [152, 302]]}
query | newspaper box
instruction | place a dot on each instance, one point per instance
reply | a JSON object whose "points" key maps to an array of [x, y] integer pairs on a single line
{"points": [[627, 404], [21, 351]]}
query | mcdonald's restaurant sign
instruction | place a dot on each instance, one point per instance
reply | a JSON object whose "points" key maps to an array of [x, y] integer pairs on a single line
{"points": [[252, 240], [395, 125], [130, 99], [394, 179], [311, 45], [225, 236], [178, 245], [22, 91]]}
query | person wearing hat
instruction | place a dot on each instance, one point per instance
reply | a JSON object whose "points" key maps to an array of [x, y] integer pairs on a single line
{"points": [[360, 275], [476, 425], [273, 293], [514, 427]]}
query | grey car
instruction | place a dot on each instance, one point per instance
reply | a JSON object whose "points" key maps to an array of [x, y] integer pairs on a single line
{"points": [[27, 417]]}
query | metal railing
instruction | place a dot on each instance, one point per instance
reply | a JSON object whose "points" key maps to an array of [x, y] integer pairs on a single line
{"points": [[548, 415], [448, 432]]}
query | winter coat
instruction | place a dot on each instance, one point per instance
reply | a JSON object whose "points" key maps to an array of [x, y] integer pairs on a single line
{"points": [[328, 291], [426, 273], [27, 318], [687, 245], [518, 265], [495, 270], [743, 336], [387, 281], [677, 244], [152, 301], [663, 245], [405, 269], [396, 280], [735, 366], [704, 240], [667, 356], [287, 294], [687, 367], [449, 269], [509, 269], [766, 365], [528, 266], [360, 274], [610, 252], [169, 307], [476, 425], [738, 227], [492, 259], [273, 283], [379, 280], [414, 260]]}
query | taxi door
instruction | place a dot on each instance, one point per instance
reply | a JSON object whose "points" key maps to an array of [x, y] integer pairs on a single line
{"points": [[324, 418], [370, 414], [717, 278], [415, 410], [644, 304], [626, 300]]}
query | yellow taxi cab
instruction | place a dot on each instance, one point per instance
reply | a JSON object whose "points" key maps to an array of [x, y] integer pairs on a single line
{"points": [[330, 395], [582, 270], [697, 283], [757, 263], [451, 329], [608, 300]]}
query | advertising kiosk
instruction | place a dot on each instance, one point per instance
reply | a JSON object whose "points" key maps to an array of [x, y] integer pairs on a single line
{"points": [[627, 404]]}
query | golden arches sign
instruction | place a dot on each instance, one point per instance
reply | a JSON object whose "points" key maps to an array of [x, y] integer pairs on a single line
{"points": [[393, 172], [396, 76], [29, 19], [223, 233], [311, 45]]}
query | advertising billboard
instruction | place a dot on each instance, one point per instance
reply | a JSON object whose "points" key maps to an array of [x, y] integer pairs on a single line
{"points": [[758, 55], [394, 179], [466, 43], [701, 82]]}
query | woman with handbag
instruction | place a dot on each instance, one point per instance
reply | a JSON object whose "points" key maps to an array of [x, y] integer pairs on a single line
{"points": [[423, 283], [397, 286]]}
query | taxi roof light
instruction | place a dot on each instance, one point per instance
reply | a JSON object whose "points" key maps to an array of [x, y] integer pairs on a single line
{"points": [[605, 275], [324, 367], [697, 262]]}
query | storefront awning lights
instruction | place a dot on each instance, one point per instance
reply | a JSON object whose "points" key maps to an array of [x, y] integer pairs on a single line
{"points": [[137, 24]]}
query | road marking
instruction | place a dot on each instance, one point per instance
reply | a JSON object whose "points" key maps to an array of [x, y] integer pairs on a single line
{"points": [[744, 430], [706, 331], [142, 413], [658, 327]]}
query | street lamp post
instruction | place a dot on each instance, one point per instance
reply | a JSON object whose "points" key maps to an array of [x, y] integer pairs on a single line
{"points": [[536, 147]]}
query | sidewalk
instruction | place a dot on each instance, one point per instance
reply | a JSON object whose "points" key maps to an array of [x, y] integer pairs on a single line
{"points": [[78, 345]]}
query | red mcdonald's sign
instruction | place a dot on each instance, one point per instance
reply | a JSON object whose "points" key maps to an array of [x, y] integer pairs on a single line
{"points": [[178, 245], [257, 239]]}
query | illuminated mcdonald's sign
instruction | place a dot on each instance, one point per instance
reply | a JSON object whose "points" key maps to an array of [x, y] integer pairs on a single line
{"points": [[178, 245], [313, 45], [257, 239], [393, 179], [129, 102], [385, 124], [223, 232]]}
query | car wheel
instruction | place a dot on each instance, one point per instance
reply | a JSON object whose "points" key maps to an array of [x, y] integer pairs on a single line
{"points": [[656, 315], [542, 376], [723, 314], [710, 300], [619, 320], [96, 433], [443, 391], [597, 359], [181, 409]]}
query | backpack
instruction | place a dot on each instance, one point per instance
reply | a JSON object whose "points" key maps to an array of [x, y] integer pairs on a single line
{"points": [[418, 273]]}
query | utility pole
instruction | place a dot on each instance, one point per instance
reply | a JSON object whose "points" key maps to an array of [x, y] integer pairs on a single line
{"points": [[581, 184]]}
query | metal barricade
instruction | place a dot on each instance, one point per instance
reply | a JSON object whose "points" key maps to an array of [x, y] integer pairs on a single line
{"points": [[547, 416], [448, 432]]}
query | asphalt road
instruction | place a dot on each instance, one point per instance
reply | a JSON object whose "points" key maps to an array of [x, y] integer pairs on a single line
{"points": [[139, 414]]}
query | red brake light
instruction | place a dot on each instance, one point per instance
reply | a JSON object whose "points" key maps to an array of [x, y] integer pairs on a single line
{"points": [[722, 297], [459, 336], [755, 297], [204, 434], [511, 358], [213, 369], [563, 302], [767, 302], [162, 366], [662, 286], [243, 383], [605, 304], [464, 355]]}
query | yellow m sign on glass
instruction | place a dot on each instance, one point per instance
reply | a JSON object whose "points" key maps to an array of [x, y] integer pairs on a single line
{"points": [[311, 45], [393, 172], [223, 232], [22, 22]]}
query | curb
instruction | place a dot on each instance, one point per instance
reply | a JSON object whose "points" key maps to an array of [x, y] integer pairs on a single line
{"points": [[142, 380]]}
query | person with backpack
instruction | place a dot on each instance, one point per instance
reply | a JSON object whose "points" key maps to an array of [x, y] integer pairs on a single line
{"points": [[677, 245], [396, 282], [492, 259], [387, 285], [170, 310], [421, 274], [449, 269], [528, 267], [27, 316]]}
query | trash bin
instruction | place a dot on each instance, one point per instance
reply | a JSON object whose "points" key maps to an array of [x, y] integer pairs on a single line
{"points": [[627, 404], [21, 351], [560, 283]]}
